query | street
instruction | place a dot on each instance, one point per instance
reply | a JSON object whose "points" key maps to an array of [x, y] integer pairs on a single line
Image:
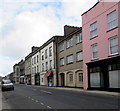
{"points": [[32, 97]]}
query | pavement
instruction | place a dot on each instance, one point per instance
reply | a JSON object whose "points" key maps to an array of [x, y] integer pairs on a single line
{"points": [[82, 90]]}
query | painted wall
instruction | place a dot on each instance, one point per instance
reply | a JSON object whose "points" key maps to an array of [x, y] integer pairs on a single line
{"points": [[99, 14]]}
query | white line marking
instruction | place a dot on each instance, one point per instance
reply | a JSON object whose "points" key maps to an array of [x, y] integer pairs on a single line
{"points": [[49, 107], [33, 99], [36, 101], [46, 91], [42, 103], [34, 89]]}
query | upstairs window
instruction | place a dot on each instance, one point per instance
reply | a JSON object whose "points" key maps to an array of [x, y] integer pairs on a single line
{"points": [[61, 47], [46, 53], [46, 65], [95, 51], [62, 62], [112, 20], [42, 66], [93, 30], [79, 38], [70, 43], [50, 64], [79, 56], [37, 59], [69, 59], [113, 45], [50, 51]]}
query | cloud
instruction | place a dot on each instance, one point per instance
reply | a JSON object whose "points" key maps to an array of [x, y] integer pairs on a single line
{"points": [[26, 24]]}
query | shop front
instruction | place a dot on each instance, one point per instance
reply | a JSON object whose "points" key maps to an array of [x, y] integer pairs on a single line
{"points": [[49, 78], [29, 79], [37, 79], [104, 74], [21, 79]]}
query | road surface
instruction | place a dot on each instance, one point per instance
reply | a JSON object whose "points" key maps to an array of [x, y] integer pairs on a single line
{"points": [[32, 97]]}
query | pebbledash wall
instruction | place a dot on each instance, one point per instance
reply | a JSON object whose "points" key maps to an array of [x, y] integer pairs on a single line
{"points": [[102, 72]]}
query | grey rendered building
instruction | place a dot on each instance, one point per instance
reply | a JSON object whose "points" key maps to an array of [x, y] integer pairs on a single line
{"points": [[70, 61]]}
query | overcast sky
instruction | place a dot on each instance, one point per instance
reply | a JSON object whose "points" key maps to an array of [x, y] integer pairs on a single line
{"points": [[27, 23]]}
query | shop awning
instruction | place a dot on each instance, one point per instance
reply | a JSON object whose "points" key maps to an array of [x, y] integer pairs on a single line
{"points": [[49, 73]]}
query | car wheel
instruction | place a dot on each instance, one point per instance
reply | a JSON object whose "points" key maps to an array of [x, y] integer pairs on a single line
{"points": [[13, 88]]}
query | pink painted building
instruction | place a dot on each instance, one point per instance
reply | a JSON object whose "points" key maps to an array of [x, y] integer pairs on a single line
{"points": [[101, 46]]}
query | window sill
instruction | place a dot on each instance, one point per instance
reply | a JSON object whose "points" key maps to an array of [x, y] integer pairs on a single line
{"points": [[61, 51], [95, 59], [61, 65], [69, 63], [78, 43], [113, 54], [69, 47], [94, 37], [79, 61], [112, 29]]}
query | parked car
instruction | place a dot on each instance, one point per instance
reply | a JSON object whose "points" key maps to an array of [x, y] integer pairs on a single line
{"points": [[7, 85]]}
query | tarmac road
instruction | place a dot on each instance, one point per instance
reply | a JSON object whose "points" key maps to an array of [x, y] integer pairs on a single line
{"points": [[31, 97]]}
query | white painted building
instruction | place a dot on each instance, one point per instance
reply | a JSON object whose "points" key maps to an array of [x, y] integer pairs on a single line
{"points": [[35, 67], [48, 69]]}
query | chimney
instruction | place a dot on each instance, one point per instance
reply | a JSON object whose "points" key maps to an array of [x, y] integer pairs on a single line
{"points": [[34, 48], [69, 29]]}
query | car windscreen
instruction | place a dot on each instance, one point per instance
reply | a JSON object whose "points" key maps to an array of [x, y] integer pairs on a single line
{"points": [[6, 82]]}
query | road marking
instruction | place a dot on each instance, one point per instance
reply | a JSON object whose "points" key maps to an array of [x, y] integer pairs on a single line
{"points": [[46, 91], [42, 103], [49, 107], [34, 89], [28, 97], [33, 99], [36, 101]]}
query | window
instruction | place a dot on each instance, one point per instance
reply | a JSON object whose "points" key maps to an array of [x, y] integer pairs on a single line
{"points": [[69, 59], [70, 77], [113, 45], [37, 58], [79, 56], [79, 38], [112, 20], [94, 51], [34, 60], [42, 57], [46, 53], [80, 77], [34, 69], [50, 51], [50, 64], [61, 61], [46, 65], [42, 66], [93, 30], [61, 47], [70, 43], [37, 69]]}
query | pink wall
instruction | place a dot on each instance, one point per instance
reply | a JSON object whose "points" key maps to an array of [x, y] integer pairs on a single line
{"points": [[99, 14]]}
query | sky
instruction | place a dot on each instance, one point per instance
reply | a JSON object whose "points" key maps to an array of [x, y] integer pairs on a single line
{"points": [[27, 23]]}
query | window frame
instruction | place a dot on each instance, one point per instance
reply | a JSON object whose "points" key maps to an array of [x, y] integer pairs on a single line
{"points": [[113, 46], [72, 58], [93, 30], [111, 21], [96, 44], [80, 52]]}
